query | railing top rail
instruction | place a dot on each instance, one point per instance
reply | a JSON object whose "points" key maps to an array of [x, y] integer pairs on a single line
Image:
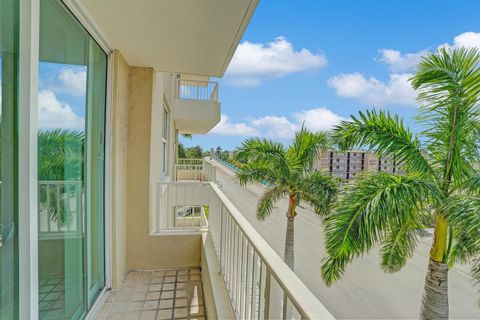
{"points": [[197, 90], [196, 82], [307, 304]]}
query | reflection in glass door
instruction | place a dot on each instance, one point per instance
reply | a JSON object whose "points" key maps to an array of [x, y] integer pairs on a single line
{"points": [[71, 107], [8, 160]]}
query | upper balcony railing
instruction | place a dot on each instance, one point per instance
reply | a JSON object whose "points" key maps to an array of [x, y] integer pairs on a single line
{"points": [[259, 283], [197, 90]]}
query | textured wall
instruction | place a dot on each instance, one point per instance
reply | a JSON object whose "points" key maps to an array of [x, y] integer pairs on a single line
{"points": [[120, 97]]}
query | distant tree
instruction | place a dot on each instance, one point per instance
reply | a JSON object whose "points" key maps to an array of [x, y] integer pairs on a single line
{"points": [[441, 181], [182, 154], [194, 152], [219, 152]]}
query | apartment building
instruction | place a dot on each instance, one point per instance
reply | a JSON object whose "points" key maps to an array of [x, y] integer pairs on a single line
{"points": [[93, 222], [348, 164]]}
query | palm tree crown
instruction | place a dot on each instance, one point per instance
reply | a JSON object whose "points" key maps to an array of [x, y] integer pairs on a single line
{"points": [[288, 172], [388, 209]]}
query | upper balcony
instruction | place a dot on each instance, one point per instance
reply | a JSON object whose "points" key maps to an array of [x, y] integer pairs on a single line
{"points": [[197, 109]]}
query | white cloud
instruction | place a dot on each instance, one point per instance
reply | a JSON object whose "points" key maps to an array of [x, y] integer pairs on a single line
{"points": [[319, 119], [371, 91], [466, 39], [405, 62], [53, 113], [275, 127], [253, 62], [279, 127], [398, 62], [73, 81], [228, 128]]}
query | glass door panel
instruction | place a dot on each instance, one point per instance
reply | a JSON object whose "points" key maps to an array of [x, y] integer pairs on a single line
{"points": [[8, 160], [70, 165], [95, 137]]}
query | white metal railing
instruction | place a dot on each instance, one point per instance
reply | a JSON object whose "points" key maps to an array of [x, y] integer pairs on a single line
{"points": [[172, 198], [197, 90], [195, 170], [191, 161], [257, 279], [60, 208], [60, 205], [190, 217]]}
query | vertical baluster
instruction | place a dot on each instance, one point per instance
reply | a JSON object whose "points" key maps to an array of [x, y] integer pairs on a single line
{"points": [[232, 267], [253, 294], [57, 209], [242, 282], [247, 282], [266, 297], [227, 261], [235, 270]]}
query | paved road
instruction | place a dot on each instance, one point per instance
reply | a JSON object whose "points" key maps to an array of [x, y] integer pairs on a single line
{"points": [[365, 292]]}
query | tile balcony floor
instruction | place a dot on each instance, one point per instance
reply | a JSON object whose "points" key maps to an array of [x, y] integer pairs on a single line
{"points": [[152, 295]]}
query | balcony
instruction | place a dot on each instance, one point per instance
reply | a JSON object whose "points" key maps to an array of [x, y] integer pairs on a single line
{"points": [[197, 109], [242, 277], [195, 170]]}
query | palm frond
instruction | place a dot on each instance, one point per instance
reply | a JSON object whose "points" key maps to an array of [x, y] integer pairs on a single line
{"points": [[306, 147], [463, 215], [398, 244], [319, 189], [264, 152], [255, 172], [369, 208], [268, 200], [448, 82], [378, 130], [476, 271]]}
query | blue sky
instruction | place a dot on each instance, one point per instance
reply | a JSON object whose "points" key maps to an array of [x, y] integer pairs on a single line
{"points": [[320, 61]]}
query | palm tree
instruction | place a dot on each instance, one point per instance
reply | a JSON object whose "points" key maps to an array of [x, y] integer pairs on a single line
{"points": [[388, 209], [60, 158], [290, 173]]}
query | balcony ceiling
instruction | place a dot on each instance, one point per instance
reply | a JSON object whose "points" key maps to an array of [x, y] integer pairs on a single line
{"points": [[184, 36]]}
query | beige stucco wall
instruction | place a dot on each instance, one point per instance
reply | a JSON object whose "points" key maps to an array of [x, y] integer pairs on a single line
{"points": [[144, 121], [138, 95], [120, 97]]}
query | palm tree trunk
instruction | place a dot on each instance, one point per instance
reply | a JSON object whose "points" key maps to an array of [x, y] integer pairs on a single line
{"points": [[435, 296], [289, 254]]}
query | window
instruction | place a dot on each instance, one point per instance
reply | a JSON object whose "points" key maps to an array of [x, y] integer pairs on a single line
{"points": [[165, 140]]}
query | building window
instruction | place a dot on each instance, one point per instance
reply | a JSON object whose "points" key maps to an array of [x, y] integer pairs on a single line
{"points": [[165, 140]]}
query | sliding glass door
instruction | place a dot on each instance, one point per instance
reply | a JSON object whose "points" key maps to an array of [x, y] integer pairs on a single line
{"points": [[71, 113], [8, 160]]}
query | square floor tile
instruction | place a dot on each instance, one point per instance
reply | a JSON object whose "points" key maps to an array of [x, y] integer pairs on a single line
{"points": [[164, 304], [135, 306], [132, 315], [150, 305], [118, 307], [164, 314], [180, 312], [148, 315]]}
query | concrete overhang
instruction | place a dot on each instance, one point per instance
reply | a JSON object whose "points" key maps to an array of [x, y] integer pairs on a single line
{"points": [[182, 36]]}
